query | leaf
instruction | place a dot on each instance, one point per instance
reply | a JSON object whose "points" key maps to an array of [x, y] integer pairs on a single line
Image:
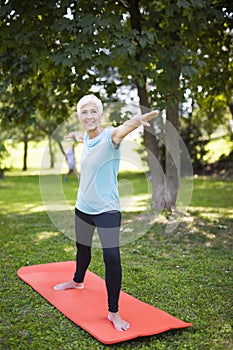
{"points": [[142, 41], [183, 4], [222, 227], [131, 50], [170, 10], [198, 3], [87, 20], [57, 58], [150, 37], [201, 64], [189, 71]]}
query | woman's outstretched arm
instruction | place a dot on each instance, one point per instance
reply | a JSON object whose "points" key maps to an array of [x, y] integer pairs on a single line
{"points": [[129, 125]]}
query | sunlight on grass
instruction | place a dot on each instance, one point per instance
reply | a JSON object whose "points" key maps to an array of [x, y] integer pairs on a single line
{"points": [[32, 208], [37, 209], [135, 203], [25, 208], [46, 235], [69, 249], [213, 213], [134, 194], [209, 235], [186, 273]]}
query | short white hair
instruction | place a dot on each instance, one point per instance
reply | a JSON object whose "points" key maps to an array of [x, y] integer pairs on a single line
{"points": [[90, 99]]}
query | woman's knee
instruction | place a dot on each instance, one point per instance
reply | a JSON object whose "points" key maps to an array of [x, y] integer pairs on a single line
{"points": [[111, 256]]}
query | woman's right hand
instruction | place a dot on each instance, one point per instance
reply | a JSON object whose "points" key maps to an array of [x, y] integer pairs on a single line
{"points": [[75, 135]]}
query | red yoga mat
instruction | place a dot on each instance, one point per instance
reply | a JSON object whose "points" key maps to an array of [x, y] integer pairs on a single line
{"points": [[88, 307]]}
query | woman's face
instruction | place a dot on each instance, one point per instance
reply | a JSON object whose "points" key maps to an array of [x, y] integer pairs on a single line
{"points": [[90, 117]]}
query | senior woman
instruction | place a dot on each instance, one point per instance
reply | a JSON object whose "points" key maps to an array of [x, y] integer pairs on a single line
{"points": [[98, 204]]}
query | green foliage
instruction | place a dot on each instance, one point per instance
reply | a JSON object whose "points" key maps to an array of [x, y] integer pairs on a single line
{"points": [[196, 136], [54, 52], [158, 43], [198, 126], [214, 86], [186, 273]]}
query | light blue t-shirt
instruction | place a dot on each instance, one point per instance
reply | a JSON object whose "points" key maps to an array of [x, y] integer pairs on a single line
{"points": [[99, 165]]}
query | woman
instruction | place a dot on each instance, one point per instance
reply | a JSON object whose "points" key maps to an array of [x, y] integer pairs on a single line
{"points": [[98, 203], [71, 162]]}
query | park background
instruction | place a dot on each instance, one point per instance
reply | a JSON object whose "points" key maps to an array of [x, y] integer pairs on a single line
{"points": [[175, 56]]}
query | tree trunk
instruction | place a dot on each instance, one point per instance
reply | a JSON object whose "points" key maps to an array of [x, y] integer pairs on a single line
{"points": [[51, 154], [60, 146], [25, 152], [172, 156], [151, 145], [231, 125]]}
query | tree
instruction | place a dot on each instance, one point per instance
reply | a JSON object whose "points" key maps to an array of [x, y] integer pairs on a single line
{"points": [[3, 154], [211, 89], [216, 54], [161, 42], [153, 46]]}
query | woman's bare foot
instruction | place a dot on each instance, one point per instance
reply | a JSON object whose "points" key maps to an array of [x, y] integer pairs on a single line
{"points": [[69, 285], [119, 324]]}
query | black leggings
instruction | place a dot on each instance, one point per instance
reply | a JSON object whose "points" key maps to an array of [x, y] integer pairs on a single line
{"points": [[108, 226]]}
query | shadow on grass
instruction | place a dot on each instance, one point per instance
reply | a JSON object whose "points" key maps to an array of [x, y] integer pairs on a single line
{"points": [[177, 272], [187, 272]]}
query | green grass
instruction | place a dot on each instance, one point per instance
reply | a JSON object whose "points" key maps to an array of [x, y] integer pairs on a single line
{"points": [[187, 273]]}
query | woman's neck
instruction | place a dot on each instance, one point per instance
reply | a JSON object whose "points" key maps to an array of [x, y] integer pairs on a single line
{"points": [[93, 133]]}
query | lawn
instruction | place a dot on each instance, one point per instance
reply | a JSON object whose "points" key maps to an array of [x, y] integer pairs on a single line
{"points": [[187, 273]]}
